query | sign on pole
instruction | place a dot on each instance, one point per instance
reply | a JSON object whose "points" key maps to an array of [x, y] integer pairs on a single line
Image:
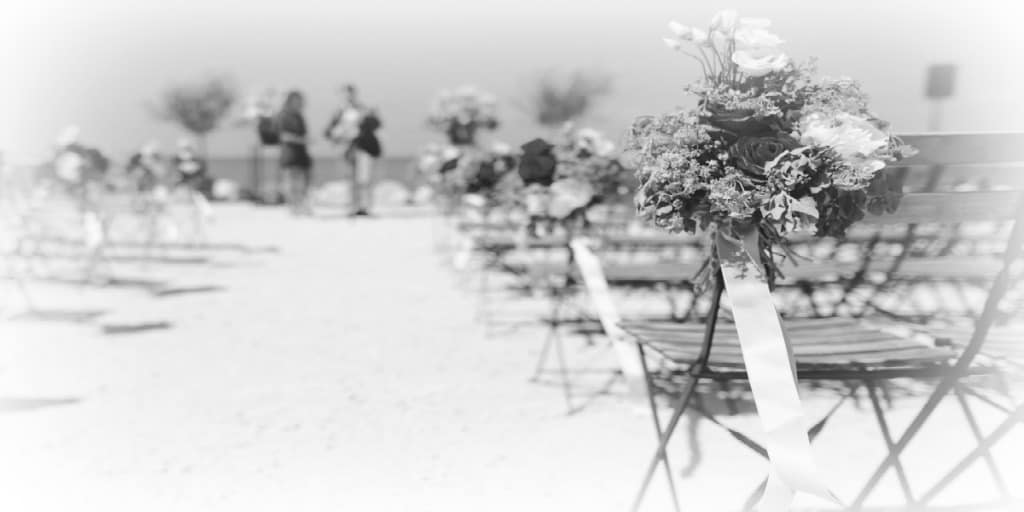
{"points": [[940, 81]]}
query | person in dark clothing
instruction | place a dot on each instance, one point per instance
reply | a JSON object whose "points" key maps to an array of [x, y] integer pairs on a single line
{"points": [[295, 160], [354, 129], [190, 167], [193, 178], [147, 170]]}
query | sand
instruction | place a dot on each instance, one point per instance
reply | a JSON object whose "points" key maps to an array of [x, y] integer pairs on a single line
{"points": [[349, 371]]}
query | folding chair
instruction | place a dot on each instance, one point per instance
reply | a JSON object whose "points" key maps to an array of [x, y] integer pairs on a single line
{"points": [[847, 350], [568, 277]]}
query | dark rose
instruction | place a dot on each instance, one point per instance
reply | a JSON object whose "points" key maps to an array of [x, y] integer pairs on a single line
{"points": [[485, 179], [538, 163], [740, 122], [750, 154], [462, 133]]}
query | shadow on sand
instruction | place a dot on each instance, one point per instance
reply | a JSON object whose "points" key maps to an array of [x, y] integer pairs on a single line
{"points": [[135, 328], [80, 316], [9, 404]]}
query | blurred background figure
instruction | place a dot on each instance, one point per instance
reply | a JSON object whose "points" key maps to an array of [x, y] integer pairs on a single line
{"points": [[146, 169], [353, 129], [296, 163], [81, 173], [193, 178], [259, 112], [79, 168], [190, 167], [147, 176]]}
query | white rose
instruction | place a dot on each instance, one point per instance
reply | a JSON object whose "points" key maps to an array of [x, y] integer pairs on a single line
{"points": [[501, 148], [474, 200], [852, 137], [568, 195], [450, 153], [594, 142], [69, 166], [753, 65], [536, 202]]}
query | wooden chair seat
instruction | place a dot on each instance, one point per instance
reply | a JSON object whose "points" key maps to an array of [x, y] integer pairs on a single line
{"points": [[949, 268], [642, 275], [1004, 342], [818, 344], [504, 242]]}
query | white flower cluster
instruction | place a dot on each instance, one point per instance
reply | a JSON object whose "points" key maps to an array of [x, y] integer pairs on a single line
{"points": [[466, 103], [731, 41]]}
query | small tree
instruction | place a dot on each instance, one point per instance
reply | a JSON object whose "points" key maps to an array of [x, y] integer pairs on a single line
{"points": [[198, 107], [556, 101]]}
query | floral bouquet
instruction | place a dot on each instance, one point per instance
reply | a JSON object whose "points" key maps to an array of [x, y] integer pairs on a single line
{"points": [[769, 147], [562, 181], [480, 177], [769, 150], [459, 114]]}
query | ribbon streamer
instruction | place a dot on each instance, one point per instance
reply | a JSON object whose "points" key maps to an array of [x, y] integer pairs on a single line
{"points": [[607, 313], [463, 251], [771, 370], [93, 229]]}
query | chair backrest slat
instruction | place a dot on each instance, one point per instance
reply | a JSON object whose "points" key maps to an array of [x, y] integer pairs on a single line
{"points": [[965, 148], [952, 207]]}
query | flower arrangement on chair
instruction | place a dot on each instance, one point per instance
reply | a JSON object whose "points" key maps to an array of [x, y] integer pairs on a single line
{"points": [[770, 147], [462, 112], [769, 150], [480, 177], [560, 182]]}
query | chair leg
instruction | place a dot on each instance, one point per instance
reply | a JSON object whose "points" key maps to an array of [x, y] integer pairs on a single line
{"points": [[997, 476], [660, 455], [554, 325], [542, 359], [887, 435], [564, 371], [649, 381], [983, 448], [934, 399]]}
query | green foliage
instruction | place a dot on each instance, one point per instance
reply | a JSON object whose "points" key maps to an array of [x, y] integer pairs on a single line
{"points": [[199, 106], [557, 100]]}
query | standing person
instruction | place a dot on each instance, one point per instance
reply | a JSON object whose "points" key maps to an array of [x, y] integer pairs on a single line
{"points": [[354, 129], [147, 171], [295, 160], [190, 167], [82, 171], [192, 177]]}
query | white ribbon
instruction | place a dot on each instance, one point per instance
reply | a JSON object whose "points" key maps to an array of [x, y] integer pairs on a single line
{"points": [[771, 369], [463, 251], [607, 313], [92, 228]]}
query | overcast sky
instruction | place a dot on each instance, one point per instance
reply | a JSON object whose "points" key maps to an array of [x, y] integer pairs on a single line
{"points": [[97, 63]]}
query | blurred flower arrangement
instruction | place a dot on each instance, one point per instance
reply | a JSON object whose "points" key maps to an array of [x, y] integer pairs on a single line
{"points": [[561, 181], [462, 112], [477, 176], [769, 145]]}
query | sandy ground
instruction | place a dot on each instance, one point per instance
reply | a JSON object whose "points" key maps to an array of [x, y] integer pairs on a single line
{"points": [[349, 371]]}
